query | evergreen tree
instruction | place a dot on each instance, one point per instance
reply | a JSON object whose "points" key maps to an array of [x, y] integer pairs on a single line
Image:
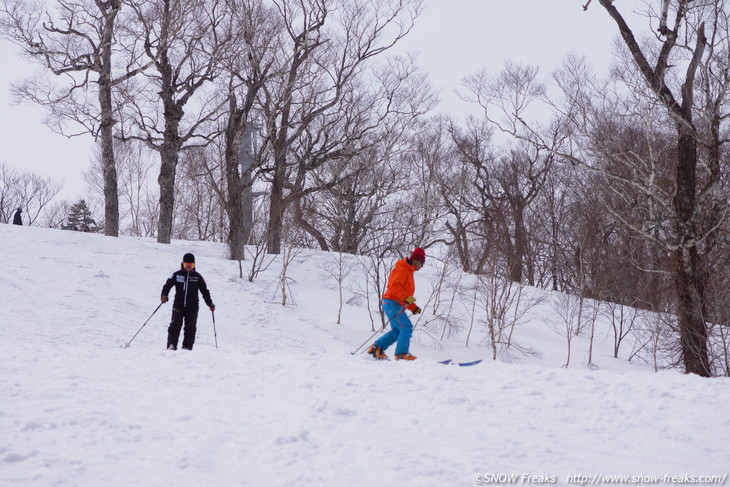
{"points": [[80, 218]]}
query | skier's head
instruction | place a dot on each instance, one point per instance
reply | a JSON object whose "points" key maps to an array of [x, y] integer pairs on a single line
{"points": [[20, 208], [188, 261], [418, 258]]}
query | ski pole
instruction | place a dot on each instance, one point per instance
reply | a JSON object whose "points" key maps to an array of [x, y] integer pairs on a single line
{"points": [[148, 319], [214, 332], [379, 331], [368, 340]]}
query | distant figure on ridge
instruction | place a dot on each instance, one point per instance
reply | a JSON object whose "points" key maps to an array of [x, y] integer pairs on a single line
{"points": [[187, 283], [18, 217], [397, 299]]}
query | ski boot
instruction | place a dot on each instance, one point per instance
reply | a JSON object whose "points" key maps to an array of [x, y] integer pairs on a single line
{"points": [[377, 352], [405, 356]]}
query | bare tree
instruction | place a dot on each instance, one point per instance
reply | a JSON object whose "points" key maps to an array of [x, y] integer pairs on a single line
{"points": [[26, 190], [594, 309], [260, 260], [315, 111], [680, 206], [37, 193], [655, 339], [503, 185], [289, 254], [550, 224], [446, 293], [77, 42], [693, 196], [249, 66], [185, 41], [506, 305], [350, 215], [10, 197], [565, 323], [339, 268], [200, 209], [55, 215], [476, 222], [136, 200], [136, 167], [521, 177], [344, 217], [376, 268], [623, 319]]}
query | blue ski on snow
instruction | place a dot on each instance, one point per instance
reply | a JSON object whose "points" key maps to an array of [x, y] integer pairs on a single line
{"points": [[460, 364]]}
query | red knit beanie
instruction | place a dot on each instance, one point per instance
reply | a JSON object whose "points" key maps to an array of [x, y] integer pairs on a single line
{"points": [[419, 254]]}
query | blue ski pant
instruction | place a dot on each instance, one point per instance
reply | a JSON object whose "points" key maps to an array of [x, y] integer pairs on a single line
{"points": [[401, 328]]}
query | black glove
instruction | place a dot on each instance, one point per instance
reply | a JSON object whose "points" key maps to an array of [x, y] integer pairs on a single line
{"points": [[417, 311]]}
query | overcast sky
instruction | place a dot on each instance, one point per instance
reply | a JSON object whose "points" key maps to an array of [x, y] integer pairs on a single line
{"points": [[454, 38]]}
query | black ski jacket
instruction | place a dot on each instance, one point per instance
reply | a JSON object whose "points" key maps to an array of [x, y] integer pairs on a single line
{"points": [[17, 218], [187, 285]]}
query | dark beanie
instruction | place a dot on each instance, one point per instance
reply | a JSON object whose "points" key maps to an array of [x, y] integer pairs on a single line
{"points": [[189, 258], [419, 254]]}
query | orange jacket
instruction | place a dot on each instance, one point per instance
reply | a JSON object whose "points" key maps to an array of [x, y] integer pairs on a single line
{"points": [[401, 283]]}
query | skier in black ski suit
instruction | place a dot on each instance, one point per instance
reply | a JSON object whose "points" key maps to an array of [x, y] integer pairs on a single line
{"points": [[187, 283], [18, 217]]}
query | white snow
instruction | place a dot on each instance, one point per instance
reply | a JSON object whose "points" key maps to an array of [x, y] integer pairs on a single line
{"points": [[282, 402]]}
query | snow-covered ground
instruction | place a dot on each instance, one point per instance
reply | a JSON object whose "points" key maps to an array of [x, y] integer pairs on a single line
{"points": [[282, 401]]}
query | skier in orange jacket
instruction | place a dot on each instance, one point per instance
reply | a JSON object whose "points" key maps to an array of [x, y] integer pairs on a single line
{"points": [[397, 299]]}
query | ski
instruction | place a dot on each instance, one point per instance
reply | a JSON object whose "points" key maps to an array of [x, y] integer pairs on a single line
{"points": [[448, 362], [460, 364]]}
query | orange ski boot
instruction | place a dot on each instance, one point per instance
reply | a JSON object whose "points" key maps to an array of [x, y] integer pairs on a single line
{"points": [[377, 352], [405, 356]]}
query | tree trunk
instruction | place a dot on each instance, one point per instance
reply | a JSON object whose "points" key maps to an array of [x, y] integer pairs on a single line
{"points": [[309, 228], [247, 203], [170, 148], [693, 330], [169, 156], [234, 201], [280, 147], [520, 248], [111, 191], [109, 168], [555, 248], [234, 209], [276, 211], [689, 275], [462, 244], [277, 203], [168, 168]]}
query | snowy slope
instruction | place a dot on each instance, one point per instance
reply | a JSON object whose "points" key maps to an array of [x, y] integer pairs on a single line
{"points": [[282, 401]]}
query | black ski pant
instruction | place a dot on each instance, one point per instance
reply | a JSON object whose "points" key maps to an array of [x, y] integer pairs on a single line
{"points": [[190, 317]]}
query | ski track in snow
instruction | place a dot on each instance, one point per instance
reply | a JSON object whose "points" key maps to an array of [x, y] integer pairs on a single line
{"points": [[282, 402]]}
